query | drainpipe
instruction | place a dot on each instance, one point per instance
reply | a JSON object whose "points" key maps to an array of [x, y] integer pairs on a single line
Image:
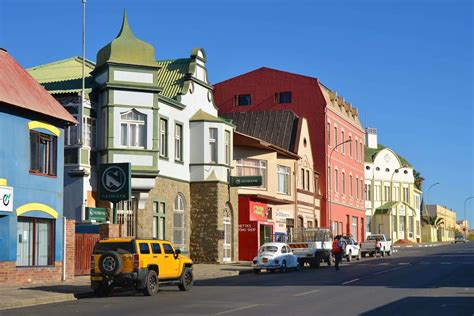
{"points": [[64, 248], [296, 198]]}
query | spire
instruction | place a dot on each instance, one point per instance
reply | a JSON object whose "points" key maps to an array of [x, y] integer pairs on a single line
{"points": [[125, 29]]}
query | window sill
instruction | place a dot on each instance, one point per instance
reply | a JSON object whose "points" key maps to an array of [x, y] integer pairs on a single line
{"points": [[181, 162], [43, 175], [35, 267], [164, 157]]}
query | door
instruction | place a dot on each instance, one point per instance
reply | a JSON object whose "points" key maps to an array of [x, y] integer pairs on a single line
{"points": [[84, 246], [266, 234], [170, 263], [227, 235]]}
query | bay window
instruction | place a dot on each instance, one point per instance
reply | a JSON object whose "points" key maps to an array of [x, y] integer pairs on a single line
{"points": [[133, 129]]}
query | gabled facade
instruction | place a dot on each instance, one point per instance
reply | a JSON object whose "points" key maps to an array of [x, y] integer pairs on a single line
{"points": [[32, 225], [160, 116], [331, 120], [392, 200]]}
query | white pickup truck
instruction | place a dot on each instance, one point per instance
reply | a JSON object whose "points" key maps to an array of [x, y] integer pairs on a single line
{"points": [[312, 246], [368, 246]]}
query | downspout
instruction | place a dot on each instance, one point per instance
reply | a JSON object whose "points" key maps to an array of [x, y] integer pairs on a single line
{"points": [[296, 195], [64, 248]]}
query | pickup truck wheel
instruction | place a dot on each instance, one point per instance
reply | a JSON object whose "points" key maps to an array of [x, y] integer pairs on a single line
{"points": [[359, 256], [383, 252], [283, 267], [389, 253], [187, 280], [257, 271], [349, 256], [151, 284]]}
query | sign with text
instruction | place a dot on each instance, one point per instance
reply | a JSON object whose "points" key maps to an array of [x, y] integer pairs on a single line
{"points": [[115, 182], [257, 211], [6, 199], [247, 181], [96, 214]]}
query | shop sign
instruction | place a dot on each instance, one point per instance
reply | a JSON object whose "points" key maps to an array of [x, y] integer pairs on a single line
{"points": [[247, 228], [96, 214], [247, 181], [282, 214], [258, 211], [115, 182], [6, 199]]}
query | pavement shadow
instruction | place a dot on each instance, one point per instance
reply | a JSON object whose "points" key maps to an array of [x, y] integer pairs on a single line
{"points": [[417, 306]]}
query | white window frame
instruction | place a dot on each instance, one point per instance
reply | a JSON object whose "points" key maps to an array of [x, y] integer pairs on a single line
{"points": [[179, 230], [140, 129], [89, 131], [227, 147], [213, 144], [178, 142], [163, 126], [256, 167], [283, 174]]}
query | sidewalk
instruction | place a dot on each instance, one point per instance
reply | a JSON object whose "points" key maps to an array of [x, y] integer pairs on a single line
{"points": [[29, 295]]}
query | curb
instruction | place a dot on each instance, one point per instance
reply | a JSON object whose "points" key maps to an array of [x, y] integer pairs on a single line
{"points": [[37, 301]]}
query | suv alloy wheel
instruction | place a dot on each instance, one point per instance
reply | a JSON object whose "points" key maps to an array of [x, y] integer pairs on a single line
{"points": [[151, 285], [187, 280]]}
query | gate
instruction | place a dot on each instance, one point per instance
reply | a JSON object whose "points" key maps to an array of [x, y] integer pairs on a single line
{"points": [[126, 217], [84, 247]]}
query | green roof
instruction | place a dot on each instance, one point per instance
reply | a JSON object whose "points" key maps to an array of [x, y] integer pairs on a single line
{"points": [[385, 208], [371, 153], [127, 49], [172, 75], [200, 115]]}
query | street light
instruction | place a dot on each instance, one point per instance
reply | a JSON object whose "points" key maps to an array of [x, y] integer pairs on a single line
{"points": [[329, 177], [429, 192], [465, 218]]}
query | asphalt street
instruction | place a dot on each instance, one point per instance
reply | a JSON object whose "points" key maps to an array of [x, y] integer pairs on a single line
{"points": [[414, 281]]}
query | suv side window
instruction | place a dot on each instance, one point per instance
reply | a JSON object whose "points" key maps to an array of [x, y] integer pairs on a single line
{"points": [[155, 248], [168, 249], [144, 249]]}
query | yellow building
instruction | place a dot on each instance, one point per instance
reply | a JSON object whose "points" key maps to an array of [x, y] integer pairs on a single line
{"points": [[441, 230]]}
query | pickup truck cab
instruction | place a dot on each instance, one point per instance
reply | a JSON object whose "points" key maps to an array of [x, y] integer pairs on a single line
{"points": [[368, 246]]}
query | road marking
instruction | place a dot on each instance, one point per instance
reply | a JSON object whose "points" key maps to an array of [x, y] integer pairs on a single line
{"points": [[446, 262], [385, 271], [384, 264], [403, 263], [467, 262], [425, 262], [238, 309], [351, 281], [305, 293]]}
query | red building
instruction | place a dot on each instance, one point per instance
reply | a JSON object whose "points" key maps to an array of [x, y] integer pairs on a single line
{"points": [[331, 121]]}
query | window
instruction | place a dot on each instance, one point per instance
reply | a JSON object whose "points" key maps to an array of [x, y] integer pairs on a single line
{"points": [[336, 180], [302, 179], [168, 249], [343, 183], [283, 179], [213, 144], [178, 142], [329, 178], [387, 193], [144, 248], [357, 188], [367, 192], [179, 222], [368, 222], [88, 132], [350, 184], [163, 137], [354, 226], [227, 147], [43, 154], [155, 248], [159, 220], [406, 196], [343, 149], [396, 193], [283, 97], [361, 152], [310, 224], [253, 167], [377, 193], [316, 185], [133, 129], [357, 150], [335, 137], [71, 156], [70, 134], [243, 99], [35, 242], [329, 134], [350, 146], [308, 187], [361, 189]]}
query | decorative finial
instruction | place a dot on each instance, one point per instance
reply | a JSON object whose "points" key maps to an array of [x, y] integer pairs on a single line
{"points": [[125, 30]]}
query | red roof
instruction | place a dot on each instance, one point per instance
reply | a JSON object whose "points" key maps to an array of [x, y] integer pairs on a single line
{"points": [[19, 89]]}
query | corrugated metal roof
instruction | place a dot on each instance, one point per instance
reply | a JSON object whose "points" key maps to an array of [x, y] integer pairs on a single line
{"points": [[276, 127], [20, 89], [61, 70], [172, 75]]}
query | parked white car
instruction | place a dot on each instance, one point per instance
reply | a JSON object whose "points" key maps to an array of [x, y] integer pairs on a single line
{"points": [[352, 249], [275, 256]]}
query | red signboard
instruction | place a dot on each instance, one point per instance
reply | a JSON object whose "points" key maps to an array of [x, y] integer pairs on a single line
{"points": [[257, 211]]}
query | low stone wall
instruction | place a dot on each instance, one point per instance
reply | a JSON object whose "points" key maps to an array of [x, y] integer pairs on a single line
{"points": [[10, 274]]}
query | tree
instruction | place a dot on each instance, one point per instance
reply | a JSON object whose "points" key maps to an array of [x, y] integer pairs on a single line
{"points": [[434, 221], [418, 179]]}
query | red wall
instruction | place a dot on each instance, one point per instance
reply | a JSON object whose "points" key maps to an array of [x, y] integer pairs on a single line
{"points": [[308, 102]]}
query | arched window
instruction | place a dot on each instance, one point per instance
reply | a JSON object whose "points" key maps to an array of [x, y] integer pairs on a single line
{"points": [[133, 129], [179, 222]]}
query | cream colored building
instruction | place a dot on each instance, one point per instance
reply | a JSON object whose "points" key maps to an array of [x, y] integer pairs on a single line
{"points": [[446, 230]]}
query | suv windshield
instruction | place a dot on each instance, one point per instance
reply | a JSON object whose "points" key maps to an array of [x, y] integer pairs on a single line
{"points": [[268, 249], [120, 247]]}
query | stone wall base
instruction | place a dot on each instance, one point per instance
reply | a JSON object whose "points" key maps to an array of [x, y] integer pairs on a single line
{"points": [[10, 274]]}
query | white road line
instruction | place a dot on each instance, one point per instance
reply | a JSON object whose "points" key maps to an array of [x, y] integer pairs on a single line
{"points": [[237, 309], [351, 281], [306, 293], [446, 262], [384, 264], [425, 262], [403, 263], [385, 271]]}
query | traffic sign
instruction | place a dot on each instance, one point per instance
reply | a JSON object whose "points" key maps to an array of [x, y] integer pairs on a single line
{"points": [[114, 182], [247, 181]]}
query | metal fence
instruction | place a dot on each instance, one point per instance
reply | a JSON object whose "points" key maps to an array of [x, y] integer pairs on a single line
{"points": [[127, 217]]}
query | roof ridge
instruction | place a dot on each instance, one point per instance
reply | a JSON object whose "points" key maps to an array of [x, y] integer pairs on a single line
{"points": [[61, 61]]}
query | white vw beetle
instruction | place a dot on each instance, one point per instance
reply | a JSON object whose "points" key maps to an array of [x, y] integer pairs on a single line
{"points": [[273, 256]]}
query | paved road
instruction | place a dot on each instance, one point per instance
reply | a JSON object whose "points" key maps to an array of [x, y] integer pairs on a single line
{"points": [[415, 281]]}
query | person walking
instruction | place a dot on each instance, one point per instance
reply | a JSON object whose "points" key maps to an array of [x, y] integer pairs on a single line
{"points": [[378, 245], [337, 251]]}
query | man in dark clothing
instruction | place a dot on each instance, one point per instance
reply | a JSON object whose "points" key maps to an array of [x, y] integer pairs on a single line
{"points": [[337, 251]]}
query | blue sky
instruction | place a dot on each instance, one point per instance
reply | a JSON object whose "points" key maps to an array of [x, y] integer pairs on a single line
{"points": [[407, 65]]}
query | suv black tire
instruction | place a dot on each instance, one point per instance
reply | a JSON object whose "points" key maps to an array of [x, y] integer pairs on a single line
{"points": [[110, 263], [186, 280], [151, 283]]}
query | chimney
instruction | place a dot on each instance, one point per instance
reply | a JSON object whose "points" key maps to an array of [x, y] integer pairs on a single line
{"points": [[371, 138]]}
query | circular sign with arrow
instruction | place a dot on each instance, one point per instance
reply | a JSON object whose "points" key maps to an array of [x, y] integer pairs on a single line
{"points": [[113, 179]]}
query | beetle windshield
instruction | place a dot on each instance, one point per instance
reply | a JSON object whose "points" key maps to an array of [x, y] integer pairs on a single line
{"points": [[268, 249]]}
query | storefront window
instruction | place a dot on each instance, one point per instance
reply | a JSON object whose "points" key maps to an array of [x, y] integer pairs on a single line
{"points": [[35, 242], [253, 167]]}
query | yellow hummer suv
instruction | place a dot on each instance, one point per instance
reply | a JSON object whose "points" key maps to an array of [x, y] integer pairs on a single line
{"points": [[142, 263]]}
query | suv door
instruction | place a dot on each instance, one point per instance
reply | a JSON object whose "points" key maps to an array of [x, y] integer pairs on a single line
{"points": [[145, 254], [171, 264], [158, 258]]}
